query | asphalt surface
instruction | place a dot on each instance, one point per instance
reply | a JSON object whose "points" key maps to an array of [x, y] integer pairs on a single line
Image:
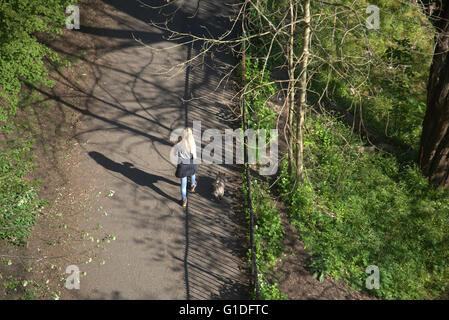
{"points": [[161, 251]]}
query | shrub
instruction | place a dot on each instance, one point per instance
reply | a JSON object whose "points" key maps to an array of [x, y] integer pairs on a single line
{"points": [[372, 209], [21, 54]]}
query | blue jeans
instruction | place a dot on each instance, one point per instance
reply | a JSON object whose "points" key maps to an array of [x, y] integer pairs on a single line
{"points": [[184, 186]]}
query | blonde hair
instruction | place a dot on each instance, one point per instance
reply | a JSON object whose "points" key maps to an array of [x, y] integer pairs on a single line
{"points": [[188, 142]]}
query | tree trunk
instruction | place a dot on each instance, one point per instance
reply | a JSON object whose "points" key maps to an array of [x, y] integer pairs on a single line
{"points": [[291, 89], [302, 93], [434, 149]]}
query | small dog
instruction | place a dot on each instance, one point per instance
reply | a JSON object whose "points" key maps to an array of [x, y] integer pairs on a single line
{"points": [[219, 186]]}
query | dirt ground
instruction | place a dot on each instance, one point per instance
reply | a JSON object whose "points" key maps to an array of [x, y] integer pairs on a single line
{"points": [[74, 194]]}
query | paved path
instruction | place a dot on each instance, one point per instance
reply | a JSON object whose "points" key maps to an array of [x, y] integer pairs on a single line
{"points": [[161, 251]]}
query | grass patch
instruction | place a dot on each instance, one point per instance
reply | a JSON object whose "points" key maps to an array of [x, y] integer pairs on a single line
{"points": [[355, 210]]}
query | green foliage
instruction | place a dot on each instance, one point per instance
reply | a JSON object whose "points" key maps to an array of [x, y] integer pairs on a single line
{"points": [[268, 233], [21, 54], [29, 294], [259, 91], [18, 197], [22, 61], [356, 210], [269, 291], [19, 288], [379, 75], [259, 47], [268, 236]]}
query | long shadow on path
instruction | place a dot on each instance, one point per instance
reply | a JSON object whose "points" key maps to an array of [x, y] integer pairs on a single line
{"points": [[138, 176]]}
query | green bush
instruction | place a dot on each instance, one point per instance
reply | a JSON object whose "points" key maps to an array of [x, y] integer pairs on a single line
{"points": [[390, 94], [18, 198], [270, 291], [22, 60], [356, 210], [259, 92], [269, 232], [21, 54]]}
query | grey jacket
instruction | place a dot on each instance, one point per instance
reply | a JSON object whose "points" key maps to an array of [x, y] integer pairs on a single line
{"points": [[183, 157]]}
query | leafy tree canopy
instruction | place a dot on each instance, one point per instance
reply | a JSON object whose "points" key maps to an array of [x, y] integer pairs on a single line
{"points": [[21, 54]]}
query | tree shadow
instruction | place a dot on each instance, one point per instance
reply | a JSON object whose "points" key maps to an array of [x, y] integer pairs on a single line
{"points": [[210, 241], [138, 176]]}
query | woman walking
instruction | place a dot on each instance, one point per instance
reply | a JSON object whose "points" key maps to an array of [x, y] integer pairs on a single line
{"points": [[186, 152]]}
